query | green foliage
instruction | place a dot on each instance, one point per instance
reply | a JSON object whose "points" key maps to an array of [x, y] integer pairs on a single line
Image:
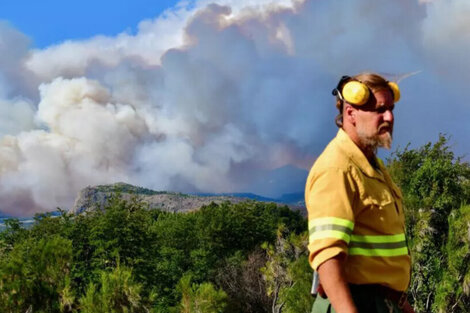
{"points": [[126, 258], [287, 273], [116, 293], [202, 298], [12, 233], [247, 257], [126, 188], [35, 274], [435, 184], [432, 179], [453, 292], [297, 298]]}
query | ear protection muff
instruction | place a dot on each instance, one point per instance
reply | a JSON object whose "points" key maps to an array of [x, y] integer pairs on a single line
{"points": [[395, 90], [357, 93]]}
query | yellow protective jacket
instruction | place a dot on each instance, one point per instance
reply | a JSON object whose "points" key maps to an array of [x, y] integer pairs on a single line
{"points": [[356, 210]]}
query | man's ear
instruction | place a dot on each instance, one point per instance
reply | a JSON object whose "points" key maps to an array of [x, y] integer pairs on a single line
{"points": [[350, 114]]}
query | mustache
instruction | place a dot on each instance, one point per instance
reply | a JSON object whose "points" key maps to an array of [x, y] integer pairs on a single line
{"points": [[386, 125]]}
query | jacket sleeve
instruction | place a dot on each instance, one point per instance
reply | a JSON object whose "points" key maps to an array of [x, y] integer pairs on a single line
{"points": [[329, 197]]}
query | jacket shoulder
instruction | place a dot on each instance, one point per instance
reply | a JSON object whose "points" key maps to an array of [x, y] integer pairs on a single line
{"points": [[332, 157]]}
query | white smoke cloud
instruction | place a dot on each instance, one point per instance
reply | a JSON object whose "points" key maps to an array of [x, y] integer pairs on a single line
{"points": [[153, 39], [87, 140], [16, 115], [15, 79], [207, 96], [16, 110], [75, 58], [446, 38]]}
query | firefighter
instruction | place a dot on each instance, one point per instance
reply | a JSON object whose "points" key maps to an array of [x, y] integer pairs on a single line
{"points": [[357, 238]]}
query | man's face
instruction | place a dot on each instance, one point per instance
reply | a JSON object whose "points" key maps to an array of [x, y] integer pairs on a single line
{"points": [[374, 121]]}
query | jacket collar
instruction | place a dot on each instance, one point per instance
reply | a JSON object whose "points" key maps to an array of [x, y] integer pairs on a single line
{"points": [[355, 154]]}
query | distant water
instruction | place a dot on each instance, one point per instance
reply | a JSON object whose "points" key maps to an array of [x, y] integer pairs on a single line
{"points": [[26, 221]]}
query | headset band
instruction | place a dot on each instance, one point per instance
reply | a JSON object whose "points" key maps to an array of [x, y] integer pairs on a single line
{"points": [[337, 90]]}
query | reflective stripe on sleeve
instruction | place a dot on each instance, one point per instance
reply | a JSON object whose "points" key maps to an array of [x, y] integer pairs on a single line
{"points": [[379, 238], [386, 246], [330, 227]]}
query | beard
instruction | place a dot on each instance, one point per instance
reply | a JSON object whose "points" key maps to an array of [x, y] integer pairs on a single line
{"points": [[373, 141]]}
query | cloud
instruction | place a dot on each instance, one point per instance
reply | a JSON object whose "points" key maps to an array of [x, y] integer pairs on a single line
{"points": [[210, 97], [86, 140], [16, 115], [16, 84], [77, 58], [15, 79], [446, 38]]}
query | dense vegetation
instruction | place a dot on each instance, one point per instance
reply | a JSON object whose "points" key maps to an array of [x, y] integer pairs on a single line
{"points": [[436, 189], [245, 257], [126, 188], [223, 258]]}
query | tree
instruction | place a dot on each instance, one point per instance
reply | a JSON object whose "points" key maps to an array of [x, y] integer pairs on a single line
{"points": [[453, 292], [287, 273], [35, 274], [127, 258], [120, 233], [432, 180], [117, 292], [243, 281], [12, 234], [435, 184], [200, 298]]}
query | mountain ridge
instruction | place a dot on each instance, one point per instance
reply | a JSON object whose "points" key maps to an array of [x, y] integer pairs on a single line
{"points": [[96, 197]]}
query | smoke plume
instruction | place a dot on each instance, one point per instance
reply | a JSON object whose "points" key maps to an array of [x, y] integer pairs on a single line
{"points": [[210, 96]]}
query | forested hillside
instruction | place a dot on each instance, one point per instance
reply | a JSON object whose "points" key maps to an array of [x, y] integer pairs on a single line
{"points": [[229, 257], [240, 257]]}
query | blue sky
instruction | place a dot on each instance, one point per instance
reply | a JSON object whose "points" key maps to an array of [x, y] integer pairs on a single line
{"points": [[49, 22]]}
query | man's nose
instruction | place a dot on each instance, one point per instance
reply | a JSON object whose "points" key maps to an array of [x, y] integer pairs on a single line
{"points": [[388, 116]]}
